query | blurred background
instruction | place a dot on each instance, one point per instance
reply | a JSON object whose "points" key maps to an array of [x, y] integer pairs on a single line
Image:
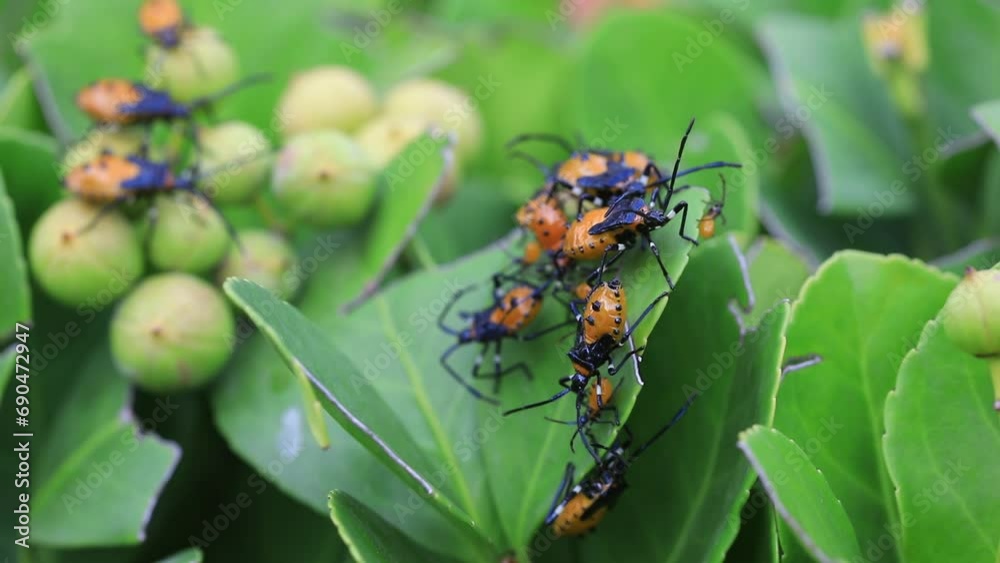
{"points": [[860, 124]]}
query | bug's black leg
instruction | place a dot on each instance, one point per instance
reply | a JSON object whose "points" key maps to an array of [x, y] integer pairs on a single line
{"points": [[475, 392], [546, 137], [478, 362], [561, 493], [551, 399], [101, 213], [682, 208], [542, 167], [547, 330], [523, 367], [659, 260], [208, 201], [447, 309], [605, 263], [628, 333], [581, 429], [709, 166]]}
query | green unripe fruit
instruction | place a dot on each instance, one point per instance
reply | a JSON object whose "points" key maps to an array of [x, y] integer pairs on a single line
{"points": [[325, 179], [442, 105], [971, 316], [267, 260], [201, 65], [386, 135], [93, 267], [187, 235], [240, 155], [120, 142], [173, 333], [326, 97]]}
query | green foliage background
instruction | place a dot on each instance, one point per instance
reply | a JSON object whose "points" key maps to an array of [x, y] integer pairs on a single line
{"points": [[852, 217]]}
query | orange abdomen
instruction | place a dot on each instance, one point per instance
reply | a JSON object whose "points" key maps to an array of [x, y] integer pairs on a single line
{"points": [[580, 165], [102, 100], [518, 308], [604, 313], [100, 180], [581, 245], [571, 521], [157, 16]]}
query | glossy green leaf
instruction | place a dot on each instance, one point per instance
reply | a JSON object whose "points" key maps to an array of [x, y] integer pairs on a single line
{"points": [[98, 477], [777, 273], [373, 540], [861, 313], [28, 161], [259, 409], [987, 115], [857, 140], [397, 347], [686, 492], [437, 233], [15, 299], [651, 113], [941, 435], [18, 107], [757, 541], [801, 495], [193, 555]]}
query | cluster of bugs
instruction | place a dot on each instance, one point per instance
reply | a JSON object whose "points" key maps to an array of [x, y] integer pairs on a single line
{"points": [[112, 180], [619, 199]]}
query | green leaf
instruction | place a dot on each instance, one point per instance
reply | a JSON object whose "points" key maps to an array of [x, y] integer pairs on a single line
{"points": [[431, 412], [259, 409], [309, 352], [801, 495], [370, 538], [193, 555], [437, 232], [685, 493], [18, 107], [860, 313], [99, 478], [651, 114], [776, 272], [954, 80], [987, 115], [941, 431], [757, 541], [856, 138], [411, 183], [15, 299], [28, 161]]}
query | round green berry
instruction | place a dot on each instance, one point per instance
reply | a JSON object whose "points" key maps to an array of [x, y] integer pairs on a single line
{"points": [[442, 105], [187, 235], [325, 179], [84, 267], [202, 64], [971, 315], [265, 259], [239, 153], [326, 97], [172, 333]]}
